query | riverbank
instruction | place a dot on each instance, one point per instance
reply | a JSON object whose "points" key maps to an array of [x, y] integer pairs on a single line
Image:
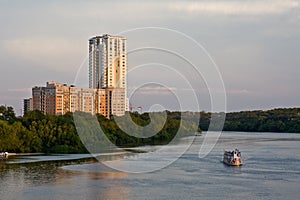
{"points": [[25, 154]]}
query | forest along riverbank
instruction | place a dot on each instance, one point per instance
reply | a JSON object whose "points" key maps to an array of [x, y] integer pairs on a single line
{"points": [[36, 132]]}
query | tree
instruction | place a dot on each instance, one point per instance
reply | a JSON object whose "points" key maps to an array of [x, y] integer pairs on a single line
{"points": [[7, 114]]}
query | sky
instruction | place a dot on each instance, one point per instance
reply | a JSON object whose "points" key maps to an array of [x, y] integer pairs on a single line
{"points": [[182, 55]]}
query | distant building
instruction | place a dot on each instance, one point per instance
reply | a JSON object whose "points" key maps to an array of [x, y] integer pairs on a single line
{"points": [[28, 105], [38, 94]]}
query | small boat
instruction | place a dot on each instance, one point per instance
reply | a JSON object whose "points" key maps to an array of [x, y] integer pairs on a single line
{"points": [[232, 158], [3, 155]]}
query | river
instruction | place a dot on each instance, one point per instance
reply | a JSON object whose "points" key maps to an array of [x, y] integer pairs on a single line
{"points": [[271, 170]]}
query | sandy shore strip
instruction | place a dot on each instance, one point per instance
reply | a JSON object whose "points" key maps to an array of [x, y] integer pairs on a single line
{"points": [[25, 154]]}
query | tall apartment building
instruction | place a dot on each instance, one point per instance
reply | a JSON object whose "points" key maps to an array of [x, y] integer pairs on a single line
{"points": [[107, 62], [107, 70]]}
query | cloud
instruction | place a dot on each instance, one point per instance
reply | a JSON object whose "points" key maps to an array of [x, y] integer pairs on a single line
{"points": [[53, 53], [19, 90], [168, 90], [155, 90], [160, 90], [240, 92], [262, 7]]}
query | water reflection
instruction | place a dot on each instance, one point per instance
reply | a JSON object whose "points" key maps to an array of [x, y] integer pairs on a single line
{"points": [[17, 179]]}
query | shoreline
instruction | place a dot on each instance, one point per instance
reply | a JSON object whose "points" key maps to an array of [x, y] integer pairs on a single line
{"points": [[25, 154]]}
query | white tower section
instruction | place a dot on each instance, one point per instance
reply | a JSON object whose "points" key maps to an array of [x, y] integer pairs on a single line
{"points": [[107, 62], [107, 70]]}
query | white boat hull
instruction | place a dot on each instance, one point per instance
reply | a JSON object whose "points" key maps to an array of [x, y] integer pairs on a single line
{"points": [[232, 158], [3, 155]]}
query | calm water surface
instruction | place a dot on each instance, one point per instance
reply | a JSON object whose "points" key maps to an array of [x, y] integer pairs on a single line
{"points": [[271, 170]]}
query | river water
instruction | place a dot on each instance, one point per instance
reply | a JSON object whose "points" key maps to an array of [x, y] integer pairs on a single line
{"points": [[271, 170]]}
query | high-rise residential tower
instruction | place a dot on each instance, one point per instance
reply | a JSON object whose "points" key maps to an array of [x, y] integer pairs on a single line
{"points": [[107, 70], [107, 62]]}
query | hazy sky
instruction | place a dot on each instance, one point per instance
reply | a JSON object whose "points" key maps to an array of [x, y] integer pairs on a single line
{"points": [[255, 44]]}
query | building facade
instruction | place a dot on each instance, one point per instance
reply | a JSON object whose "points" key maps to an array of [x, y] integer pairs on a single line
{"points": [[28, 105], [107, 62], [38, 101], [107, 70], [58, 99]]}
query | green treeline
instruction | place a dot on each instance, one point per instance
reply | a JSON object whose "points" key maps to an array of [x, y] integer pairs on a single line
{"points": [[276, 120], [159, 131], [36, 132]]}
